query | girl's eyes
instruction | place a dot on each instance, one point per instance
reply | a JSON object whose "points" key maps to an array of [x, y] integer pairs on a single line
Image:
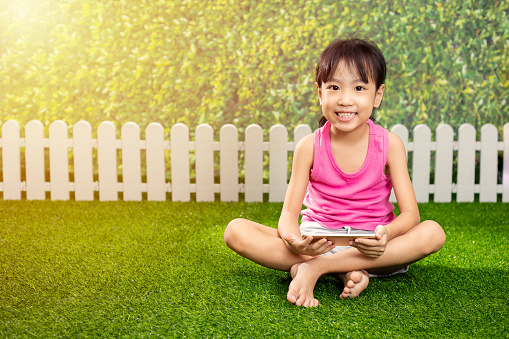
{"points": [[336, 88]]}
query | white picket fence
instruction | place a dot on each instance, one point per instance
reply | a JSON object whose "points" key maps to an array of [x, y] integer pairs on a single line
{"points": [[203, 183]]}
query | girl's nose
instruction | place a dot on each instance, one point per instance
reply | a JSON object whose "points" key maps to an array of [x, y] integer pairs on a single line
{"points": [[345, 99]]}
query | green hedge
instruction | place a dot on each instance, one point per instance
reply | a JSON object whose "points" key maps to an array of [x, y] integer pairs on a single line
{"points": [[245, 62]]}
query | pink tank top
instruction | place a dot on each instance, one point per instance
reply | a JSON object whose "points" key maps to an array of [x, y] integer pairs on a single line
{"points": [[336, 199]]}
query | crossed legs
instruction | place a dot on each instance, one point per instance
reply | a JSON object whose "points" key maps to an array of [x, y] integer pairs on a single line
{"points": [[264, 246]]}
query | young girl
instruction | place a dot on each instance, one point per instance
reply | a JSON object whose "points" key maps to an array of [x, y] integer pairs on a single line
{"points": [[344, 174]]}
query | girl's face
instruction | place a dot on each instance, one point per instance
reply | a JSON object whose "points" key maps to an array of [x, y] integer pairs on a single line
{"points": [[347, 102]]}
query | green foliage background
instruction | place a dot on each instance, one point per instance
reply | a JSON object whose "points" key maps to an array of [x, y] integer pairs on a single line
{"points": [[247, 61]]}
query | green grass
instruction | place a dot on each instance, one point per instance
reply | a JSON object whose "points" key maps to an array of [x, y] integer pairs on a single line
{"points": [[79, 269]]}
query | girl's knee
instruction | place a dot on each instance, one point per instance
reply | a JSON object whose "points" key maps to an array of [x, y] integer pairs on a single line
{"points": [[435, 236], [232, 231]]}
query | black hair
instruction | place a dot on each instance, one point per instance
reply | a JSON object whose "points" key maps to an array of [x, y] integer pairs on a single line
{"points": [[360, 54]]}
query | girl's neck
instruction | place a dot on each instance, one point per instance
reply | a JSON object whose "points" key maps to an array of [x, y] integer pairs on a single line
{"points": [[352, 137]]}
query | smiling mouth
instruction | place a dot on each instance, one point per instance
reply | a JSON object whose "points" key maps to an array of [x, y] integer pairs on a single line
{"points": [[345, 115]]}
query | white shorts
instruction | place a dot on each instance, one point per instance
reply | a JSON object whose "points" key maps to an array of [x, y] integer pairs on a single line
{"points": [[311, 227]]}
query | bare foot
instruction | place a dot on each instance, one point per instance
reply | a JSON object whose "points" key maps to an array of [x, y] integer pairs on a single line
{"points": [[301, 288], [355, 282]]}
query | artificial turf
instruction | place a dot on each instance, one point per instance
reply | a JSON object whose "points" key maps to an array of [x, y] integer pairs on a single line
{"points": [[128, 269]]}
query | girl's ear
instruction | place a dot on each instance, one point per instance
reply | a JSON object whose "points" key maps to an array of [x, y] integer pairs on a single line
{"points": [[319, 92], [379, 96]]}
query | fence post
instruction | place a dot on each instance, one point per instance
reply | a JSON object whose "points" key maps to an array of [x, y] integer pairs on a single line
{"points": [[204, 164], [180, 183], [156, 178], [278, 160], [489, 160], [421, 162], [466, 163], [131, 162], [107, 161], [58, 161], [34, 161], [443, 163], [253, 160], [83, 169], [229, 163], [11, 160]]}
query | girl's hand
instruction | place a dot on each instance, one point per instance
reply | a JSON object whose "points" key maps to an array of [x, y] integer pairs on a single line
{"points": [[305, 246], [372, 247]]}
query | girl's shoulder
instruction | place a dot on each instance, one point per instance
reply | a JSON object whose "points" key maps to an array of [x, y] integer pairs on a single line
{"points": [[306, 144], [396, 146], [395, 140], [304, 150]]}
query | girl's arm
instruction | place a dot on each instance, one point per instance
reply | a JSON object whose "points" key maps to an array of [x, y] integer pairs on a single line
{"points": [[403, 189], [301, 168], [288, 225]]}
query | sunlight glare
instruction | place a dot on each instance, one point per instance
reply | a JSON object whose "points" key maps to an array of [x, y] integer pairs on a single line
{"points": [[24, 9]]}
